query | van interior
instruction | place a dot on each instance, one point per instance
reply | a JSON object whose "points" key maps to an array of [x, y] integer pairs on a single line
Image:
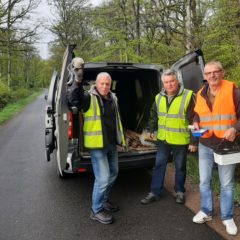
{"points": [[135, 89]]}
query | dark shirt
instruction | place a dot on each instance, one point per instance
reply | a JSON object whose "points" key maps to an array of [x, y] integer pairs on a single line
{"points": [[109, 121]]}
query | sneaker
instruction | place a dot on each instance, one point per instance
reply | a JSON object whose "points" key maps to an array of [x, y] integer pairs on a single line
{"points": [[180, 198], [231, 227], [110, 207], [102, 217], [201, 217], [149, 198]]}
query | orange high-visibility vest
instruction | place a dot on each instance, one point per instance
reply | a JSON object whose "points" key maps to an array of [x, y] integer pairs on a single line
{"points": [[223, 114]]}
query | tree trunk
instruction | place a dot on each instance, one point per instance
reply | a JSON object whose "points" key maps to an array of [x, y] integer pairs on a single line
{"points": [[136, 9], [8, 44], [188, 26]]}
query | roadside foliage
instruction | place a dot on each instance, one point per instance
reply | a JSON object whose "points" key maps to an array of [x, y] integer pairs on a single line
{"points": [[144, 31]]}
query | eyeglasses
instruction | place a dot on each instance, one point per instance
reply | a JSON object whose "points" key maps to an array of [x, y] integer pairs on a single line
{"points": [[214, 72]]}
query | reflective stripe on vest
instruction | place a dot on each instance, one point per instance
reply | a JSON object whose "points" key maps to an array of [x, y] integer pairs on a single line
{"points": [[92, 127], [172, 124], [222, 116]]}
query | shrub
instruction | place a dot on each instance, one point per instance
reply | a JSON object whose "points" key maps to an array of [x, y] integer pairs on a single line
{"points": [[5, 95], [19, 93]]}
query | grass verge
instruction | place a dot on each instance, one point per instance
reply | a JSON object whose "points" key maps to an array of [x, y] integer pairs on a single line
{"points": [[13, 108], [193, 174]]}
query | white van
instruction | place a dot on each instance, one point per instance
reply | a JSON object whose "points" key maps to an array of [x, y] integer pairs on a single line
{"points": [[135, 86]]}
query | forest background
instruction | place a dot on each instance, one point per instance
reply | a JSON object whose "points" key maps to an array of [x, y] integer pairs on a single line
{"points": [[144, 31]]}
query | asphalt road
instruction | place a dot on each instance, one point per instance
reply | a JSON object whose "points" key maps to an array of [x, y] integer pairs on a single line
{"points": [[35, 204]]}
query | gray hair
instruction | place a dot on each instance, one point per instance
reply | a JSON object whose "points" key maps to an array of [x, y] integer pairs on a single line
{"points": [[169, 72], [103, 74], [217, 63]]}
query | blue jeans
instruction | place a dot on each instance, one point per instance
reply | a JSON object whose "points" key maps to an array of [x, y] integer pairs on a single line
{"points": [[164, 151], [226, 176], [105, 168]]}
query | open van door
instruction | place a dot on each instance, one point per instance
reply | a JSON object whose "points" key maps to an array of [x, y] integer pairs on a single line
{"points": [[62, 112], [50, 124], [189, 70]]}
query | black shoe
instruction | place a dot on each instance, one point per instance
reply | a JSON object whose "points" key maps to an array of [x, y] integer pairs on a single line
{"points": [[102, 217], [110, 207], [149, 198], [180, 198]]}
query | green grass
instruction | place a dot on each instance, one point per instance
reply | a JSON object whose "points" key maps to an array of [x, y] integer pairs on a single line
{"points": [[192, 168], [193, 174], [13, 108]]}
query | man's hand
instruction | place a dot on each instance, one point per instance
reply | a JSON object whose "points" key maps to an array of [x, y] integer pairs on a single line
{"points": [[151, 135], [192, 148], [196, 126], [230, 134]]}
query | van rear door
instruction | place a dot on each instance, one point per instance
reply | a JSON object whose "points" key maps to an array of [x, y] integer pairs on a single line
{"points": [[50, 124], [190, 70], [62, 112]]}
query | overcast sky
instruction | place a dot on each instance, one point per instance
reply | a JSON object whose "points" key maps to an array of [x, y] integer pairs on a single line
{"points": [[43, 12]]}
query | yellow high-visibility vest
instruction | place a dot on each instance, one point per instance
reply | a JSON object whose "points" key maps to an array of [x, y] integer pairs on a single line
{"points": [[92, 127], [173, 123]]}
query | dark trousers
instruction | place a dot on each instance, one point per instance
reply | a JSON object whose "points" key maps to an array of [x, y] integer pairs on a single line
{"points": [[164, 151]]}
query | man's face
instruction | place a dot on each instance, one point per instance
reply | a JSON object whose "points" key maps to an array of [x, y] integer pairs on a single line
{"points": [[103, 85], [170, 84], [213, 74]]}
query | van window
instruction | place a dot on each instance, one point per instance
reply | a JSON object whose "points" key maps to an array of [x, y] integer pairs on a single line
{"points": [[191, 74]]}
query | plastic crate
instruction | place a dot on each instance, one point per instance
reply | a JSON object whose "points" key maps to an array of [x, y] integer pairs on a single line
{"points": [[227, 159], [227, 155]]}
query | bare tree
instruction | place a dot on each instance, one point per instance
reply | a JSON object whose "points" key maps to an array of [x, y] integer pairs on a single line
{"points": [[69, 23], [13, 30]]}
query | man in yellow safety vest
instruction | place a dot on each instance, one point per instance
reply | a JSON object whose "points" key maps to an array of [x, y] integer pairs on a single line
{"points": [[102, 130], [170, 116]]}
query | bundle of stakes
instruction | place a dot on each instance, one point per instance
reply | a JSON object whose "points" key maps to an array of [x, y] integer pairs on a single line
{"points": [[134, 142]]}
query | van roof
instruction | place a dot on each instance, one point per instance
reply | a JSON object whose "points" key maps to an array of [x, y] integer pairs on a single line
{"points": [[116, 65]]}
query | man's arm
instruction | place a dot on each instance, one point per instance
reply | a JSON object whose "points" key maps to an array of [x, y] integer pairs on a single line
{"points": [[231, 133], [190, 109], [190, 118], [78, 97], [236, 98], [153, 119]]}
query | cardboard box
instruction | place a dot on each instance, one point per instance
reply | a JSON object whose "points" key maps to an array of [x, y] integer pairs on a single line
{"points": [[227, 158]]}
